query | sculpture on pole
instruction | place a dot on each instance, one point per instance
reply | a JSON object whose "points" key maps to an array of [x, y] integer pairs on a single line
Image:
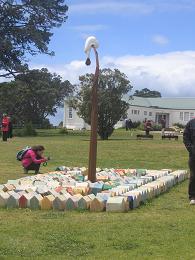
{"points": [[92, 43]]}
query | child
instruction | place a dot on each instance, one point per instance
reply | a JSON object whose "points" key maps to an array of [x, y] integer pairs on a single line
{"points": [[33, 159]]}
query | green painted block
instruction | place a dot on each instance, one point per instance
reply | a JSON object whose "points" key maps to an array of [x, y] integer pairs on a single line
{"points": [[59, 202], [70, 205], [34, 201], [13, 200]]}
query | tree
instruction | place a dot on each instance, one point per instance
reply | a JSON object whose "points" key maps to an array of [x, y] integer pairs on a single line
{"points": [[26, 28], [33, 96], [145, 92], [113, 85]]}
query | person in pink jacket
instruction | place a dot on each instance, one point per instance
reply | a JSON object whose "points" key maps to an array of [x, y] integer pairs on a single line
{"points": [[5, 127], [33, 158]]}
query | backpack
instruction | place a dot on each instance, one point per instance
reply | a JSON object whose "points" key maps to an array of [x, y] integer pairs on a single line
{"points": [[20, 154]]}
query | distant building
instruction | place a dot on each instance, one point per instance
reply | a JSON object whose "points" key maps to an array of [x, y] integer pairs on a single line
{"points": [[173, 110]]}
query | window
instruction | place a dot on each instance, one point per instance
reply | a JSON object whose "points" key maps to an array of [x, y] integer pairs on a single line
{"points": [[135, 112], [181, 116], [145, 113], [191, 115], [186, 116], [150, 113], [70, 113]]}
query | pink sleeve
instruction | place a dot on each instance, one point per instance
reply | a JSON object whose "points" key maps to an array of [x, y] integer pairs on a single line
{"points": [[33, 157]]}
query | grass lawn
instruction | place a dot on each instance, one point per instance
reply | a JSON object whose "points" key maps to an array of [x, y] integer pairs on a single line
{"points": [[162, 229]]}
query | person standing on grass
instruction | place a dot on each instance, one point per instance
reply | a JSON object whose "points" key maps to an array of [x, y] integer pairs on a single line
{"points": [[10, 129], [148, 127], [5, 127], [127, 124], [33, 159], [163, 123], [189, 141]]}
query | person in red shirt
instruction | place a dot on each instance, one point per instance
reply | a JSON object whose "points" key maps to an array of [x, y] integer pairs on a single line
{"points": [[33, 158], [5, 127]]}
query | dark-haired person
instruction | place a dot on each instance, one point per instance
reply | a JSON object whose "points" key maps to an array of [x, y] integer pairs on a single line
{"points": [[10, 128], [148, 127], [33, 158], [5, 127], [189, 141]]}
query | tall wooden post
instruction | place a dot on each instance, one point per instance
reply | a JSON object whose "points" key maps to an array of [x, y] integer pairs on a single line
{"points": [[94, 123]]}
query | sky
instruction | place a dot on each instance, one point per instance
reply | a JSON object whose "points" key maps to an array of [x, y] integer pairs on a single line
{"points": [[152, 41]]}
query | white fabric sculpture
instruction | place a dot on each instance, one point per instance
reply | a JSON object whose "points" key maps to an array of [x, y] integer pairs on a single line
{"points": [[90, 42]]}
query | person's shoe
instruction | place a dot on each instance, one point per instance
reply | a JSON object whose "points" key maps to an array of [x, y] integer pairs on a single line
{"points": [[192, 202]]}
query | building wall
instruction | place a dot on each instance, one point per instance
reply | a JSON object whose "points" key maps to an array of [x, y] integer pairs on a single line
{"points": [[75, 123], [182, 116], [140, 113], [135, 113], [175, 116]]}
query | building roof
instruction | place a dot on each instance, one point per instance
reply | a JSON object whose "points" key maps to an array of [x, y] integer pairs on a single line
{"points": [[163, 103]]}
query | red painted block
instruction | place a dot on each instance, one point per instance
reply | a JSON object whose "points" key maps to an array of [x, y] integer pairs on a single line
{"points": [[58, 189], [23, 202], [69, 190]]}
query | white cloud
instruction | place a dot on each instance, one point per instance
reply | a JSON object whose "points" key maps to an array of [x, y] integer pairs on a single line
{"points": [[111, 7], [90, 27], [131, 7], [171, 73], [160, 39]]}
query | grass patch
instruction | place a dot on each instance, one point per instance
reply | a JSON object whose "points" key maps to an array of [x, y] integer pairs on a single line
{"points": [[161, 229]]}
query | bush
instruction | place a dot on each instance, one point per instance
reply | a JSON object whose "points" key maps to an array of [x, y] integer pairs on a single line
{"points": [[141, 127], [63, 131], [18, 132], [157, 127], [179, 125], [46, 124], [28, 130], [136, 124]]}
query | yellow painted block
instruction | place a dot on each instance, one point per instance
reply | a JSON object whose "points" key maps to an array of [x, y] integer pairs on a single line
{"points": [[46, 202]]}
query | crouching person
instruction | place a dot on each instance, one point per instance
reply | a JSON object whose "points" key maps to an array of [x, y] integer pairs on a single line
{"points": [[33, 159]]}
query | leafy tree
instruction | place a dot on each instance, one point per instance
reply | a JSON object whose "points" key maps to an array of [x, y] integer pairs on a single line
{"points": [[33, 96], [26, 28], [145, 92], [113, 85]]}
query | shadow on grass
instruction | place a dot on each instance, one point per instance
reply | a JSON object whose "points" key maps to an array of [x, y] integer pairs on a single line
{"points": [[112, 139]]}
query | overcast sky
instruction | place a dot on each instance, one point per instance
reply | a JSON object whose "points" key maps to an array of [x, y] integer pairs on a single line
{"points": [[152, 41]]}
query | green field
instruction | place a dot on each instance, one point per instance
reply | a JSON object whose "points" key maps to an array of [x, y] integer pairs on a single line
{"points": [[161, 229]]}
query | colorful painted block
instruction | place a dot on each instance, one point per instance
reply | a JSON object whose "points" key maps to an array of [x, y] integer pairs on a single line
{"points": [[13, 200], [23, 201], [8, 187], [95, 187], [70, 204], [59, 202], [46, 202], [116, 204], [3, 199], [34, 201], [97, 205], [84, 203]]}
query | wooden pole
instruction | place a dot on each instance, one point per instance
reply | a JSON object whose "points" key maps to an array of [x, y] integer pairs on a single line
{"points": [[94, 123]]}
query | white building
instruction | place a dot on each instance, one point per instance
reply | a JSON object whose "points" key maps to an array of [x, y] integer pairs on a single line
{"points": [[174, 110]]}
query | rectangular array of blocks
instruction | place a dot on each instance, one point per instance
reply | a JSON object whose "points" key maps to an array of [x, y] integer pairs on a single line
{"points": [[116, 190]]}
